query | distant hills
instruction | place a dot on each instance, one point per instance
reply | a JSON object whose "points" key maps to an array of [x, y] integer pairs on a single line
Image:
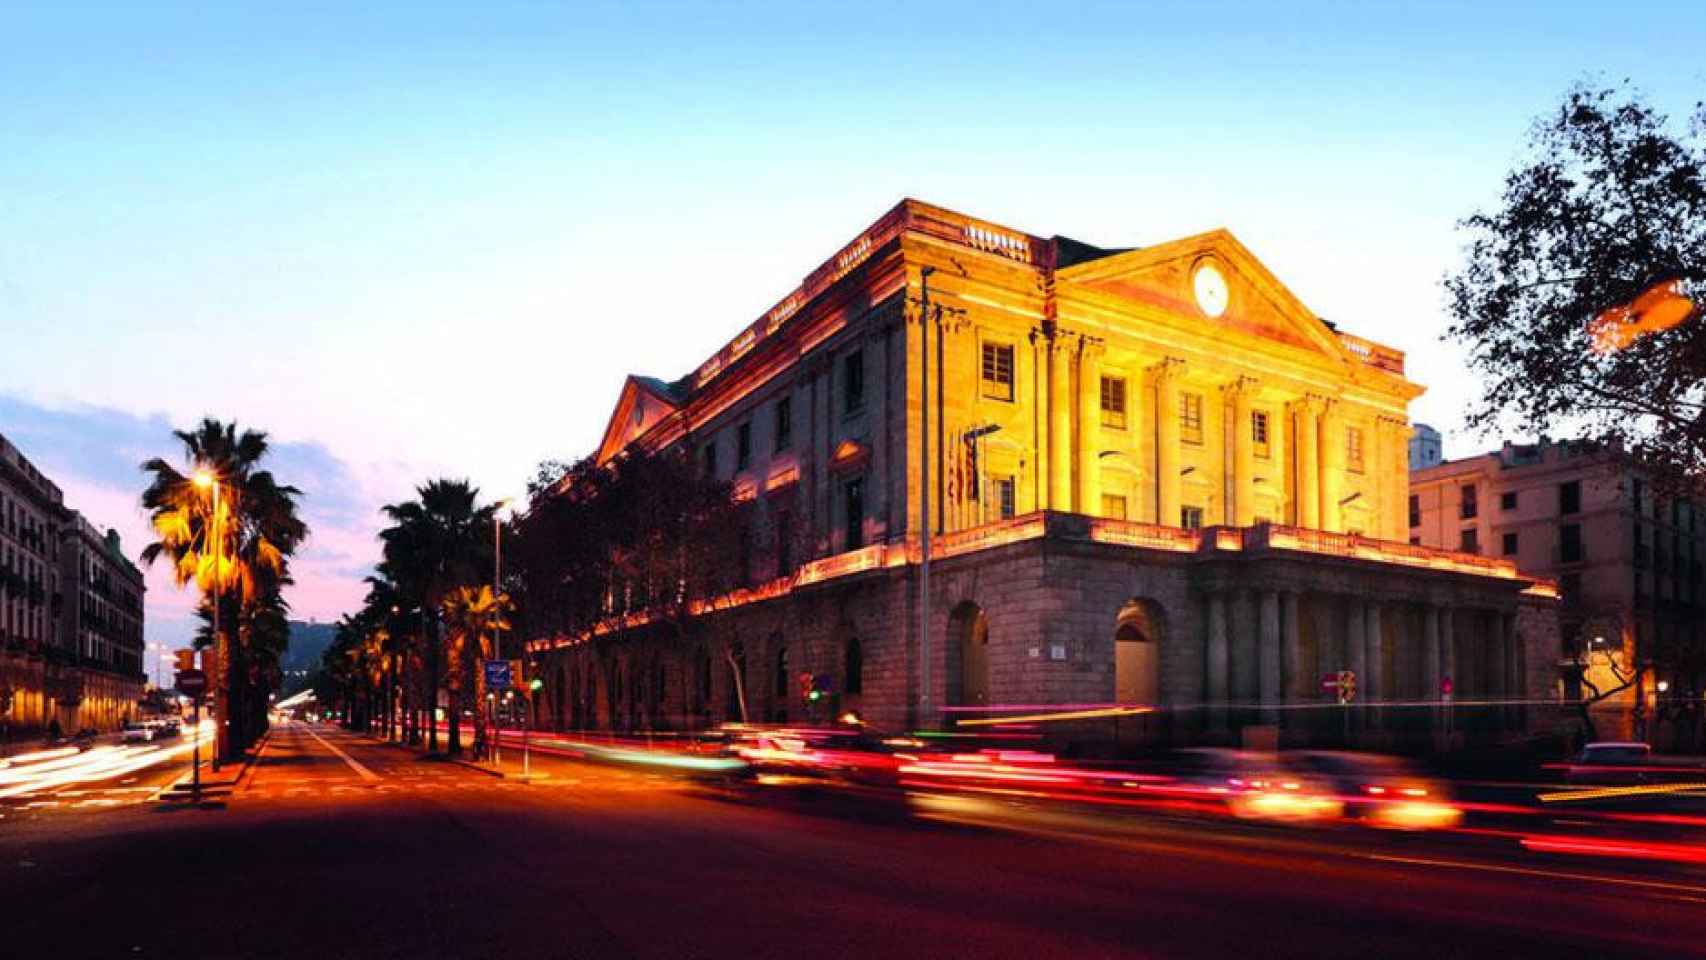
{"points": [[308, 640]]}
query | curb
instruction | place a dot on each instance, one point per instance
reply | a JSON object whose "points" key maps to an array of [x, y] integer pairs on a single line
{"points": [[250, 758], [438, 758]]}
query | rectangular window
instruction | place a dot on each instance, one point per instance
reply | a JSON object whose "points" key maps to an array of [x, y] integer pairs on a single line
{"points": [[1190, 418], [854, 501], [743, 446], [1113, 506], [853, 382], [1570, 497], [1259, 433], [711, 460], [1467, 507], [1005, 490], [1353, 449], [784, 423], [1507, 500], [1415, 510], [1113, 402], [1190, 518], [1510, 545], [997, 373], [784, 542], [1469, 541], [1570, 543]]}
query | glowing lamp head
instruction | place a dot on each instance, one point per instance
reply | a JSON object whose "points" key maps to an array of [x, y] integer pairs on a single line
{"points": [[203, 478], [1664, 686]]}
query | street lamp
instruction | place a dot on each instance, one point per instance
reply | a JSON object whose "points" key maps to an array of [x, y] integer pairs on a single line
{"points": [[205, 480]]}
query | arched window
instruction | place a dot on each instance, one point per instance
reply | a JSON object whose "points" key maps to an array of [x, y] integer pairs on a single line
{"points": [[781, 687], [853, 667]]}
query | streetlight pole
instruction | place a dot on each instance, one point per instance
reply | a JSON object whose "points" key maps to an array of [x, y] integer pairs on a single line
{"points": [[205, 479], [924, 501]]}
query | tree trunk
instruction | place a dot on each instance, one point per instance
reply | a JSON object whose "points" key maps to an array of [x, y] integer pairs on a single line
{"points": [[432, 693]]}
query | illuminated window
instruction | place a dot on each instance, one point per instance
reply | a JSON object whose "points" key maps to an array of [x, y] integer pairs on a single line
{"points": [[998, 371], [1190, 418], [1259, 432], [1113, 402], [1006, 495], [1353, 449], [1113, 506], [1190, 518]]}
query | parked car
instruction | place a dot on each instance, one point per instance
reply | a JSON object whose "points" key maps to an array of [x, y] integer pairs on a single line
{"points": [[137, 732], [1610, 763]]}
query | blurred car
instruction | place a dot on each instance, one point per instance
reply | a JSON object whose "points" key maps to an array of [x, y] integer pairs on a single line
{"points": [[138, 732], [1610, 763], [826, 753], [1256, 786], [1380, 790], [168, 728]]}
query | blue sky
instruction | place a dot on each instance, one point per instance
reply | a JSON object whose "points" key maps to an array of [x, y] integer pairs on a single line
{"points": [[411, 239]]}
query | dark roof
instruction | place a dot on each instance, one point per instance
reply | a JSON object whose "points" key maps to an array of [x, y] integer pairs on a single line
{"points": [[1070, 252], [674, 392]]}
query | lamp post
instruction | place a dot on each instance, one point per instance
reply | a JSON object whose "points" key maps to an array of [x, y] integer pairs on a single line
{"points": [[205, 479]]}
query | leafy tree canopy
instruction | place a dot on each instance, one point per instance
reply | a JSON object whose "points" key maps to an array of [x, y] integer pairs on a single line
{"points": [[1609, 206]]}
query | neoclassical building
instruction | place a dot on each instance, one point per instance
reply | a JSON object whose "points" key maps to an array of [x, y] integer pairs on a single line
{"points": [[1154, 477]]}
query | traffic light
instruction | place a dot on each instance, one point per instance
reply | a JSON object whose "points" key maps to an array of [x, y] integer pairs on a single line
{"points": [[536, 685], [185, 659]]}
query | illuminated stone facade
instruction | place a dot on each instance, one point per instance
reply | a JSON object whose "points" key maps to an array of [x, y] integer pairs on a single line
{"points": [[70, 610], [1155, 476]]}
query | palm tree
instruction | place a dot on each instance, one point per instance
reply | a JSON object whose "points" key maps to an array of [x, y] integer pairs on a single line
{"points": [[473, 617], [436, 543], [252, 538]]}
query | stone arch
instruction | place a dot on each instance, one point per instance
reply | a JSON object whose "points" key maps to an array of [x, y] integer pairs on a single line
{"points": [[779, 679], [967, 656], [1139, 631]]}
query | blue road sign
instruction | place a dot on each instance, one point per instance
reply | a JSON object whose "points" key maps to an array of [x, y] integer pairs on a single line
{"points": [[497, 675]]}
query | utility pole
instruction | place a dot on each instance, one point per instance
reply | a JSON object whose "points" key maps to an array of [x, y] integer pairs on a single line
{"points": [[924, 504]]}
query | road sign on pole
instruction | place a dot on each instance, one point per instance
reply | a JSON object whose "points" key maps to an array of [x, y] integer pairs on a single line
{"points": [[192, 683], [497, 675]]}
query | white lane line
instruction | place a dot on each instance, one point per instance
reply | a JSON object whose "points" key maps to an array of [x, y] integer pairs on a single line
{"points": [[366, 774], [1654, 885]]}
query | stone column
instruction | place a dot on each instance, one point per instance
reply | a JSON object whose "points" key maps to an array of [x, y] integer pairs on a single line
{"points": [[1294, 683], [1241, 461], [1165, 376], [1216, 661], [1330, 444], [1059, 424], [1090, 425], [1393, 440], [1515, 690], [1307, 495], [1356, 643], [1376, 636], [1430, 653], [1447, 651], [1268, 672]]}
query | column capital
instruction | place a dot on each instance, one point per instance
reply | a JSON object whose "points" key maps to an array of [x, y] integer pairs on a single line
{"points": [[1167, 370], [1240, 388], [1091, 348], [1392, 426], [1313, 403]]}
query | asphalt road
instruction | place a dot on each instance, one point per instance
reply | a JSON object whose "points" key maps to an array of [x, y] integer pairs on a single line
{"points": [[337, 846]]}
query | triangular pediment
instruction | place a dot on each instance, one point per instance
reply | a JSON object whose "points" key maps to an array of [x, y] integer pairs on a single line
{"points": [[1164, 278], [642, 404]]}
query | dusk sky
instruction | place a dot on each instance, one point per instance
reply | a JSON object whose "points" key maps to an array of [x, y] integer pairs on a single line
{"points": [[412, 242]]}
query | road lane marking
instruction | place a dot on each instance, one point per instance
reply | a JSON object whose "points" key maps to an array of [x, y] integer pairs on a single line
{"points": [[355, 765], [1671, 888]]}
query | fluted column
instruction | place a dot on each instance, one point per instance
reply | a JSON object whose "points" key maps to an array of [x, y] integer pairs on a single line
{"points": [[1376, 641], [1059, 424], [1430, 653], [1307, 494], [1356, 641], [1241, 461], [1268, 673], [1393, 438], [1090, 425], [1330, 443], [1293, 682], [1165, 377], [1217, 660]]}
